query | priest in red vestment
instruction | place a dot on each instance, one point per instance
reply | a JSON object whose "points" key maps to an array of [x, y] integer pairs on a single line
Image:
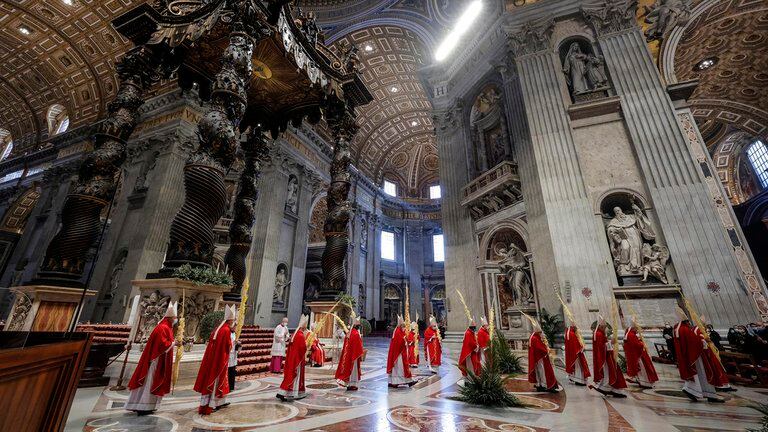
{"points": [[397, 359], [292, 388], [483, 340], [151, 379], [413, 345], [718, 377], [349, 370], [540, 370], [575, 360], [432, 348], [212, 381], [694, 370], [639, 365], [608, 378], [469, 357], [317, 353]]}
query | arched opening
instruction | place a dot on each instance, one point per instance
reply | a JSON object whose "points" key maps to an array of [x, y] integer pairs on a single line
{"points": [[58, 119], [6, 144]]}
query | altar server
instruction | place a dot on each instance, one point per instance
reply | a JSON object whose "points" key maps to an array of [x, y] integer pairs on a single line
{"points": [[279, 340]]}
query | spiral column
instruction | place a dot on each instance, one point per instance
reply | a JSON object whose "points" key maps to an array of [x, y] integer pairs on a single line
{"points": [[342, 124], [65, 257], [192, 237], [256, 154]]}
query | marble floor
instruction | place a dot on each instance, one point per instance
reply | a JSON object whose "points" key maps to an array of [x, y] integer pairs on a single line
{"points": [[424, 407]]}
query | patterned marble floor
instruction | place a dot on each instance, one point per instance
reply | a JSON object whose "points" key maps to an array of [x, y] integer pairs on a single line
{"points": [[425, 407]]}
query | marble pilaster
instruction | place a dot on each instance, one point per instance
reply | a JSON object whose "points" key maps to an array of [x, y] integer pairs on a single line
{"points": [[300, 238]]}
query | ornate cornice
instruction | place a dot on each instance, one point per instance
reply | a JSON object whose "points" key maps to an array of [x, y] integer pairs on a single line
{"points": [[448, 118], [611, 16], [533, 37]]}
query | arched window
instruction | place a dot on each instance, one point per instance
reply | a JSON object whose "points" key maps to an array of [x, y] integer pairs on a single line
{"points": [[6, 144], [58, 119], [758, 157]]}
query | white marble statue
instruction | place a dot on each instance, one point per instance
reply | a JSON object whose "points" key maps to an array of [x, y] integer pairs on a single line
{"points": [[281, 281], [293, 189], [663, 15], [655, 262], [627, 233], [514, 265], [575, 69]]}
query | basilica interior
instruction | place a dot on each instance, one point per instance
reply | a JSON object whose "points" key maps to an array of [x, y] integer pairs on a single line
{"points": [[519, 161]]}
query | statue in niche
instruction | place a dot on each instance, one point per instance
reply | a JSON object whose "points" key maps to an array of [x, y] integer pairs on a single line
{"points": [[663, 15], [584, 71], [514, 265], [363, 233], [311, 290], [281, 281], [293, 191], [146, 168], [655, 262], [627, 233], [114, 277]]}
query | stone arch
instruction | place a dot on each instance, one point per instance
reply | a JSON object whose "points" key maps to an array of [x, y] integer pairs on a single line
{"points": [[490, 237], [15, 219], [57, 118], [615, 194]]}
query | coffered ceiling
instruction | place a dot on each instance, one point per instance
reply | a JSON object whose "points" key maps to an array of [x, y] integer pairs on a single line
{"points": [[56, 52]]}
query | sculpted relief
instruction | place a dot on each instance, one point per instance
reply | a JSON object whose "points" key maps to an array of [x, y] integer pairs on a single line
{"points": [[636, 254]]}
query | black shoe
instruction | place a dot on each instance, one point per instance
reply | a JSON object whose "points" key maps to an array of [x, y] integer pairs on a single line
{"points": [[644, 387], [690, 395], [555, 389], [351, 388], [144, 412], [221, 406], [578, 384], [393, 386], [618, 395], [715, 400], [602, 392], [281, 397], [412, 383], [540, 389], [725, 389]]}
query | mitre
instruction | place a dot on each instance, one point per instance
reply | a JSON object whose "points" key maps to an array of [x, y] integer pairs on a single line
{"points": [[172, 311]]}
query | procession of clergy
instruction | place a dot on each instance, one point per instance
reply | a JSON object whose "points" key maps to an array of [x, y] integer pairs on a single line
{"points": [[697, 359]]}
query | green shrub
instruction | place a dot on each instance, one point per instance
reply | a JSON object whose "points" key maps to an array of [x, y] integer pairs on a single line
{"points": [[763, 409], [487, 390], [365, 327], [551, 326], [505, 360], [210, 321], [202, 275]]}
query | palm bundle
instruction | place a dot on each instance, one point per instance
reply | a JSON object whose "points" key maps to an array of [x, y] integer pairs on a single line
{"points": [[568, 313], [700, 324], [492, 319], [180, 338], [241, 311], [320, 325]]}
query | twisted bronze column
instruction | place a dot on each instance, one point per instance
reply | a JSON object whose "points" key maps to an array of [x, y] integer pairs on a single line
{"points": [[192, 237], [65, 257], [342, 124], [256, 155]]}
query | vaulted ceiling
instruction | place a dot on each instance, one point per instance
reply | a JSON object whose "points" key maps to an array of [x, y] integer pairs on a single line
{"points": [[54, 52]]}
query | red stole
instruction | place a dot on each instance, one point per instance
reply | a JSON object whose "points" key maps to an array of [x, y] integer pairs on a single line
{"points": [[634, 350], [715, 371], [317, 355], [215, 362], [157, 346], [574, 352], [600, 357], [468, 351], [483, 338], [295, 357], [432, 346], [351, 353], [688, 348], [538, 350], [413, 342], [398, 348]]}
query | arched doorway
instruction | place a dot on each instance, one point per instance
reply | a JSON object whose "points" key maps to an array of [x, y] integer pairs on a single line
{"points": [[393, 305]]}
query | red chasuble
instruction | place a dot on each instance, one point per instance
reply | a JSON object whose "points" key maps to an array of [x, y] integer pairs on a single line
{"points": [[413, 342], [715, 371], [398, 348], [537, 350], [351, 353], [468, 351], [574, 352], [317, 355], [634, 350], [432, 346], [295, 356], [157, 346], [483, 338], [600, 357], [688, 348], [214, 364]]}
